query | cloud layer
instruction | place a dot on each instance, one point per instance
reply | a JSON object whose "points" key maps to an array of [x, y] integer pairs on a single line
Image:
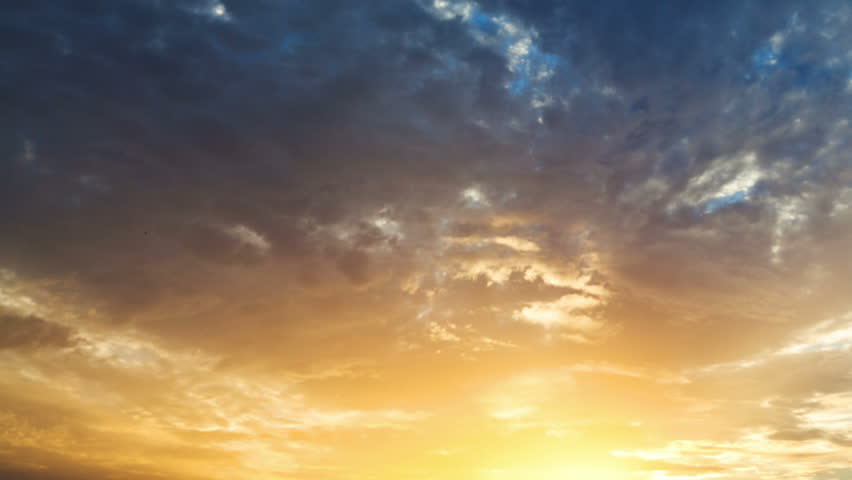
{"points": [[417, 239]]}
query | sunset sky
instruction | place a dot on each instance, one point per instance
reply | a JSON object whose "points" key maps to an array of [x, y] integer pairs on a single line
{"points": [[425, 240]]}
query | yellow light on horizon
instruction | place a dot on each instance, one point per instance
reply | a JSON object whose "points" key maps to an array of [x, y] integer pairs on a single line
{"points": [[559, 472]]}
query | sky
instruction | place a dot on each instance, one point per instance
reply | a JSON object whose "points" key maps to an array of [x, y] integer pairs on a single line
{"points": [[425, 240]]}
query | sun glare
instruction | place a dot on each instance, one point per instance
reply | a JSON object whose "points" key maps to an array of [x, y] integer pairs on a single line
{"points": [[571, 471]]}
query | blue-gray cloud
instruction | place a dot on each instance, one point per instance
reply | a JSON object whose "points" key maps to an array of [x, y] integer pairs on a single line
{"points": [[151, 146]]}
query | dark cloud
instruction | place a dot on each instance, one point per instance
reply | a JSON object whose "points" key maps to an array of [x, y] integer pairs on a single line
{"points": [[169, 126], [33, 333], [354, 264], [835, 474], [811, 434]]}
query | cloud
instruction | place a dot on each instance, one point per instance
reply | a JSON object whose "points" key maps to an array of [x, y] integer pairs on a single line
{"points": [[354, 264], [33, 333], [810, 434], [563, 312], [249, 237], [309, 237]]}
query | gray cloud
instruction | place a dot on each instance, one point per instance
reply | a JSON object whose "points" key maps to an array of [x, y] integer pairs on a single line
{"points": [[32, 333], [798, 435]]}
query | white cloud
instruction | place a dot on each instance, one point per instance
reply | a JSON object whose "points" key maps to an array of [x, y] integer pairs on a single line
{"points": [[474, 197], [440, 333], [515, 243], [564, 312], [447, 10], [728, 179], [498, 271], [518, 53], [834, 414], [247, 236], [825, 337], [214, 10]]}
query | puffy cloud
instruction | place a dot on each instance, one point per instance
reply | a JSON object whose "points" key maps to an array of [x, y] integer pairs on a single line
{"points": [[564, 312]]}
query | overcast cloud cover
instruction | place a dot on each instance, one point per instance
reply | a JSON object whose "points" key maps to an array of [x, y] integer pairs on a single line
{"points": [[425, 239]]}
